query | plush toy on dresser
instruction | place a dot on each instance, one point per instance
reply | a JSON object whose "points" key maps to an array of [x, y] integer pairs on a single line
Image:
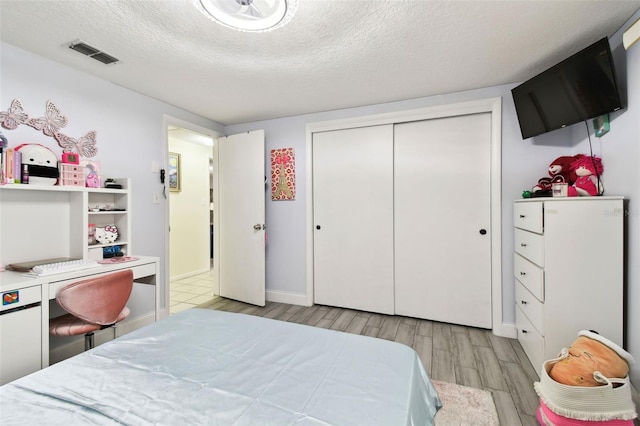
{"points": [[560, 171], [588, 171]]}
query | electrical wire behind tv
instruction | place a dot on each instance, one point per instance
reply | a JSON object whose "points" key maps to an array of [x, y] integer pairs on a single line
{"points": [[593, 161]]}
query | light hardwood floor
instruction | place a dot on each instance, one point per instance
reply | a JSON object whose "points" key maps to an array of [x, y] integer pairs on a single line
{"points": [[451, 353]]}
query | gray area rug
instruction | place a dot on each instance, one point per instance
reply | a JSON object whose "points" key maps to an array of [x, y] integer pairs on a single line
{"points": [[465, 406]]}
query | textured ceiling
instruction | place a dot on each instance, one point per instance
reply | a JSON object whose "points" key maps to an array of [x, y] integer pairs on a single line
{"points": [[333, 54]]}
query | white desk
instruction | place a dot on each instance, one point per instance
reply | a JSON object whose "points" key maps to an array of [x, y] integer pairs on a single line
{"points": [[20, 329]]}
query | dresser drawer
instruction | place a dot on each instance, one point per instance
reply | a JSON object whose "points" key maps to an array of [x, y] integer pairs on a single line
{"points": [[529, 246], [530, 275], [531, 307], [528, 215], [530, 340]]}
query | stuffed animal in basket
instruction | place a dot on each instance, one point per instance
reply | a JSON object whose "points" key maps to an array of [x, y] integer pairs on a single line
{"points": [[587, 385], [588, 171], [559, 171], [588, 354]]}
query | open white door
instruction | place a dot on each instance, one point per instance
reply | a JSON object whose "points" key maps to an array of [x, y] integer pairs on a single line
{"points": [[241, 218]]}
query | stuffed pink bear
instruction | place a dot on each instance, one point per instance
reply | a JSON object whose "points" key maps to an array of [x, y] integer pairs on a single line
{"points": [[588, 170]]}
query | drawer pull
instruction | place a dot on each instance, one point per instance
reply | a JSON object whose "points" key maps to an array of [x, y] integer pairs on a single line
{"points": [[523, 273], [523, 302], [523, 245], [521, 216]]}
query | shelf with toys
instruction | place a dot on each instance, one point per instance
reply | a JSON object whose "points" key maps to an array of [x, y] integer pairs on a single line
{"points": [[52, 221], [57, 206]]}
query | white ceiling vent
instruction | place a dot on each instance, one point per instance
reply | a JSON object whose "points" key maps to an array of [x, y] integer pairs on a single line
{"points": [[92, 52]]}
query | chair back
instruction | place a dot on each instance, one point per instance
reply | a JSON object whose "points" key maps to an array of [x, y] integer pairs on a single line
{"points": [[97, 300]]}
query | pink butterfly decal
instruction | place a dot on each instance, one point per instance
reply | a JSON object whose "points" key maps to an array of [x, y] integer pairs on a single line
{"points": [[14, 116], [51, 123], [85, 145]]}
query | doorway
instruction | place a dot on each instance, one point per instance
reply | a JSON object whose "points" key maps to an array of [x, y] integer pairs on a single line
{"points": [[190, 200]]}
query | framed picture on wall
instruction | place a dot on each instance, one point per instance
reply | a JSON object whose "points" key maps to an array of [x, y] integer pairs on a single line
{"points": [[174, 172]]}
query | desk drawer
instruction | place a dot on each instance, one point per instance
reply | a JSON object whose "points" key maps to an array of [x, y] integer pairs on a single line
{"points": [[531, 307], [530, 275], [528, 216], [20, 297], [532, 342], [530, 246], [142, 271]]}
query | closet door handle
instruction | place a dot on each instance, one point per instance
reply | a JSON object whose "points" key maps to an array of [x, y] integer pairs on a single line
{"points": [[258, 227], [523, 302], [523, 245], [523, 273], [521, 216], [317, 226]]}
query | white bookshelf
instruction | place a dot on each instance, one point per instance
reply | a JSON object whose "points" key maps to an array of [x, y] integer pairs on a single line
{"points": [[42, 222]]}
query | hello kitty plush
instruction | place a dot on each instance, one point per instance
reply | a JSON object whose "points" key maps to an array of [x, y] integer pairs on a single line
{"points": [[107, 234], [588, 171]]}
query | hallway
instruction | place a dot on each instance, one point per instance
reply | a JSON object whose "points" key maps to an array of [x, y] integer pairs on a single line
{"points": [[189, 292]]}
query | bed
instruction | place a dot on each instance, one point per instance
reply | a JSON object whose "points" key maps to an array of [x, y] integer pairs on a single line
{"points": [[206, 367]]}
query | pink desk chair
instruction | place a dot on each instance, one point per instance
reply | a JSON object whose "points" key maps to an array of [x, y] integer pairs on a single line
{"points": [[93, 304]]}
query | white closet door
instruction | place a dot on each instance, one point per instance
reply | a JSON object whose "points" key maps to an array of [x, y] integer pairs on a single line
{"points": [[442, 206], [353, 218]]}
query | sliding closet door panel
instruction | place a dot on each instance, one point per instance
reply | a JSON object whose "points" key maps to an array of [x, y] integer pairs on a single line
{"points": [[442, 219], [353, 218]]}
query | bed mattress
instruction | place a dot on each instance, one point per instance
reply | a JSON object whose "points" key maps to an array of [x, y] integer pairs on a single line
{"points": [[205, 367]]}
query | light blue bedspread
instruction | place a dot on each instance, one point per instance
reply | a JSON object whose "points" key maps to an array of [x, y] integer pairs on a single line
{"points": [[205, 367]]}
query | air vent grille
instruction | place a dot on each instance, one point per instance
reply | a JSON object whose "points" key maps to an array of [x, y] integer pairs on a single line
{"points": [[92, 52]]}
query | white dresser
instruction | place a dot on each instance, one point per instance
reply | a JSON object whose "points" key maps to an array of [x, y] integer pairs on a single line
{"points": [[568, 268]]}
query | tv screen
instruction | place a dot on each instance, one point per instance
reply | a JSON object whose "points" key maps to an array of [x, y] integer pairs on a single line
{"points": [[581, 87]]}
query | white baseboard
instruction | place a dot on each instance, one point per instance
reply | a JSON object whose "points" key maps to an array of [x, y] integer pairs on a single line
{"points": [[286, 297], [76, 346], [506, 330]]}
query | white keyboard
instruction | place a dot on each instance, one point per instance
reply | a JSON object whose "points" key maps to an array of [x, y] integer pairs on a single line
{"points": [[61, 267]]}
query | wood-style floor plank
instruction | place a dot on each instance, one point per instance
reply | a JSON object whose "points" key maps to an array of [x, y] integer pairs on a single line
{"points": [[452, 353], [442, 366], [489, 368], [389, 327]]}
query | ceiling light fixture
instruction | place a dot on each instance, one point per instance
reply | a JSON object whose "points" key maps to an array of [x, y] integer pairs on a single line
{"points": [[249, 15]]}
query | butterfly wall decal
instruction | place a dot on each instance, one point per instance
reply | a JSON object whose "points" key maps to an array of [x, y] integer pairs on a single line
{"points": [[51, 123], [85, 145], [14, 116]]}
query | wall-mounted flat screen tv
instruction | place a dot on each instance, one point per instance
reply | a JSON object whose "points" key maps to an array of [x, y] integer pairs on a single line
{"points": [[581, 87]]}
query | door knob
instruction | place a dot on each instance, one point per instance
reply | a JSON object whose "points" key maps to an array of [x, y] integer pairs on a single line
{"points": [[483, 231], [317, 226]]}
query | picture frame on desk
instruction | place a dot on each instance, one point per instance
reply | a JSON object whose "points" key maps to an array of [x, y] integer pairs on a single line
{"points": [[175, 180]]}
